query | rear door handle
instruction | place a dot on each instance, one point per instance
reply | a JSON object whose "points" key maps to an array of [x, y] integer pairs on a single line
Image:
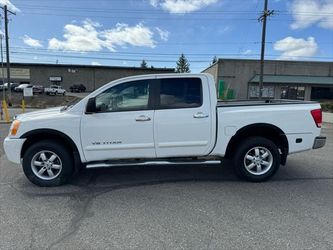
{"points": [[200, 115], [142, 118]]}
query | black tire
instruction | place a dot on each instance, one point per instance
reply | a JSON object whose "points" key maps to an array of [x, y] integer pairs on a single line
{"points": [[259, 172], [65, 160]]}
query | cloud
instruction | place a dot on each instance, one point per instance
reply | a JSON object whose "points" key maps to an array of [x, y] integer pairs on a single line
{"points": [[32, 42], [78, 38], [164, 34], [292, 48], [10, 6], [89, 38], [124, 35], [181, 6], [225, 29], [96, 63], [247, 52], [310, 12]]}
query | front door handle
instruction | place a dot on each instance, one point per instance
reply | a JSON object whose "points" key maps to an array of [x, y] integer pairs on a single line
{"points": [[142, 118], [200, 115]]}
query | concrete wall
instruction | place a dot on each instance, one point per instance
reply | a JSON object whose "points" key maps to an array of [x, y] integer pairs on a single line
{"points": [[213, 70], [236, 73], [91, 76]]}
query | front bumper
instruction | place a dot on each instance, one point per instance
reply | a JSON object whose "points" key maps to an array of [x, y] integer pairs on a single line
{"points": [[319, 142], [13, 149]]}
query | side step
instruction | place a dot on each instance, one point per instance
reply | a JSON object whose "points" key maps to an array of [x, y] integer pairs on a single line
{"points": [[148, 163]]}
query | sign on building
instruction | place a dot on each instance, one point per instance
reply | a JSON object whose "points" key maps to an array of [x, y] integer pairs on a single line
{"points": [[27, 92], [55, 79], [16, 73]]}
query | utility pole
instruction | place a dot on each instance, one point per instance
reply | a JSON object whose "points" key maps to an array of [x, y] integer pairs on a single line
{"points": [[263, 19], [2, 73], [7, 54]]}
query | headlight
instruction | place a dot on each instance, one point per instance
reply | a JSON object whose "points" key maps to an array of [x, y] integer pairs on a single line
{"points": [[14, 127]]}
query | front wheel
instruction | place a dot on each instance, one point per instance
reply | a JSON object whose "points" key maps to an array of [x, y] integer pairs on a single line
{"points": [[47, 164], [256, 159]]}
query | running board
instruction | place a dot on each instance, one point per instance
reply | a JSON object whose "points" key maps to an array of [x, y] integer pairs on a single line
{"points": [[148, 163]]}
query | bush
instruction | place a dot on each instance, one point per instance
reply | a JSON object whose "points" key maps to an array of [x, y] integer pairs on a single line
{"points": [[327, 106]]}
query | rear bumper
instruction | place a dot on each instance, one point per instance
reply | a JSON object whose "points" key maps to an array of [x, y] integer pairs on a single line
{"points": [[319, 142], [13, 149]]}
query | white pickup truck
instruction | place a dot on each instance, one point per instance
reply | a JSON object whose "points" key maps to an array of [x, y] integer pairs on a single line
{"points": [[54, 90], [162, 119]]}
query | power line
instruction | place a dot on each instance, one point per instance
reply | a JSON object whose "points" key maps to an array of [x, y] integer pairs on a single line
{"points": [[155, 60], [145, 11], [141, 54]]}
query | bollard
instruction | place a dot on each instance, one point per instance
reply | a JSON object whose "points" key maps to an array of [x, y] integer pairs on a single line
{"points": [[1, 111], [23, 106]]}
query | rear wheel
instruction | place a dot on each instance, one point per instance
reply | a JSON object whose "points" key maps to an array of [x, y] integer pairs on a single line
{"points": [[47, 164], [256, 159]]}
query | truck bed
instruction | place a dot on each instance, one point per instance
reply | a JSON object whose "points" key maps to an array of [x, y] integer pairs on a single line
{"points": [[236, 103]]}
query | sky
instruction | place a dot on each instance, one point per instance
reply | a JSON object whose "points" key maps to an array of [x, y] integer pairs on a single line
{"points": [[124, 32]]}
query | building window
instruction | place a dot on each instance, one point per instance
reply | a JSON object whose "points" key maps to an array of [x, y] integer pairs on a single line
{"points": [[268, 91], [293, 92], [322, 93]]}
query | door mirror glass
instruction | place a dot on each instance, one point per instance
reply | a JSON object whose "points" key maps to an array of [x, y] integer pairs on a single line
{"points": [[91, 106]]}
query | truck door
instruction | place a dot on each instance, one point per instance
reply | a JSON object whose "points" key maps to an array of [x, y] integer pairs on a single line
{"points": [[183, 117], [122, 126]]}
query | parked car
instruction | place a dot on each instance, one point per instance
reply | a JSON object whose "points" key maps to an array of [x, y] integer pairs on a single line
{"points": [[77, 88], [55, 90], [5, 86], [39, 89], [162, 119], [13, 85], [21, 87]]}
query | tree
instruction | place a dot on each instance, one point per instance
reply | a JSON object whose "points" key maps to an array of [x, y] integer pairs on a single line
{"points": [[144, 64], [214, 60], [183, 66]]}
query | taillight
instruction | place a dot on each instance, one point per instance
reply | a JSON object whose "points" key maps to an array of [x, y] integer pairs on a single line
{"points": [[317, 117]]}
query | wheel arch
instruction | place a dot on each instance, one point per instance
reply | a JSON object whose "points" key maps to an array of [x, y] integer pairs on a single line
{"points": [[36, 135], [265, 130]]}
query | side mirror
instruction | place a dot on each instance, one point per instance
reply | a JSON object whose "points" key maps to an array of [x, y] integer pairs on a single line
{"points": [[91, 106]]}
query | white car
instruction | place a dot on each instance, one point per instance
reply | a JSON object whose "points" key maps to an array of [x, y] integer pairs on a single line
{"points": [[162, 119], [21, 87], [55, 90]]}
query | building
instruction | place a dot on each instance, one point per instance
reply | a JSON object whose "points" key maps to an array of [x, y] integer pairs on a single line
{"points": [[90, 76], [303, 80]]}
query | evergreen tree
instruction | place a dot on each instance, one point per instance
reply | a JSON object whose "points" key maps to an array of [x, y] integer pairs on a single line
{"points": [[144, 64], [214, 60], [182, 65]]}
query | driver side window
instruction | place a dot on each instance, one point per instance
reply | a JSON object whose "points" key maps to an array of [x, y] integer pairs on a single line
{"points": [[128, 96]]}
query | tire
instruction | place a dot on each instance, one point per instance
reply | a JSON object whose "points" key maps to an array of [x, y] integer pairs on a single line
{"points": [[256, 159], [50, 156]]}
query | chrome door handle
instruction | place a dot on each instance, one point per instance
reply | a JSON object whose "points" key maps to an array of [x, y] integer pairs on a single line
{"points": [[142, 118], [200, 115]]}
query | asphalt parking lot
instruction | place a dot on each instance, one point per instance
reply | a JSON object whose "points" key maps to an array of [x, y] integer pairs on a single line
{"points": [[178, 207]]}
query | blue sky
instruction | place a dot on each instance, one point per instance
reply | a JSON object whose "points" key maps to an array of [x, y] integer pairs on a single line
{"points": [[123, 32]]}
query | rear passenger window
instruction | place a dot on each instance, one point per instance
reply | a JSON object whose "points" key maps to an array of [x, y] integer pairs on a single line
{"points": [[180, 93]]}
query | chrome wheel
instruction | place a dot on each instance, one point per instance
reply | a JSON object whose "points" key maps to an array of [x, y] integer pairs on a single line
{"points": [[46, 165], [258, 160]]}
